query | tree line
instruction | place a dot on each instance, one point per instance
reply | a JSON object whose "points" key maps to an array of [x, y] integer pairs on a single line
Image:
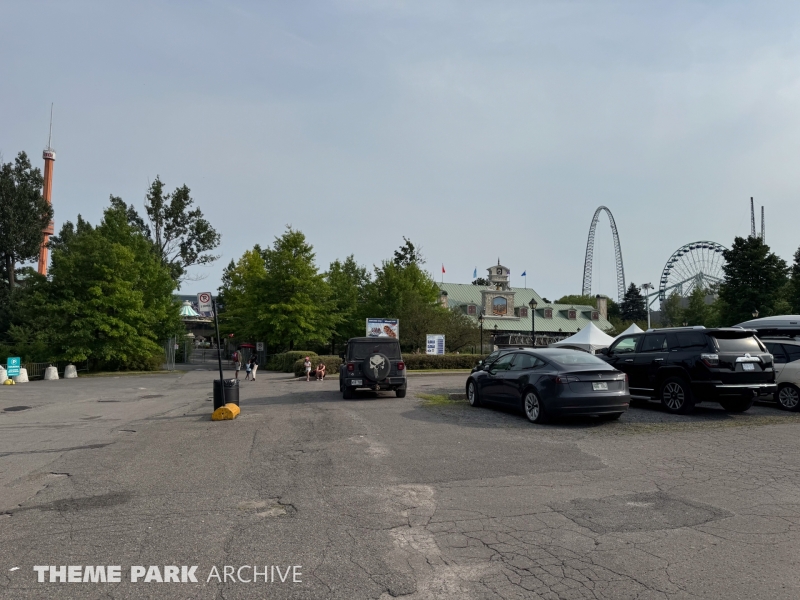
{"points": [[279, 295], [108, 297]]}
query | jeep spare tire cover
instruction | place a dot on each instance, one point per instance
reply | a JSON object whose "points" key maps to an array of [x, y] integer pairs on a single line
{"points": [[376, 366]]}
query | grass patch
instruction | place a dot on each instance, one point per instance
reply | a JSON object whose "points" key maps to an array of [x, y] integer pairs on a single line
{"points": [[439, 400], [125, 373], [738, 421]]}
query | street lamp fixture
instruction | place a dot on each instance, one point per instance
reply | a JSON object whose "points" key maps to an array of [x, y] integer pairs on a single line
{"points": [[532, 305], [755, 313], [647, 286]]}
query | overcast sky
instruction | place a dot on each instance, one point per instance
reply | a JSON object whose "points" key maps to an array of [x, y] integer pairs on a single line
{"points": [[479, 130]]}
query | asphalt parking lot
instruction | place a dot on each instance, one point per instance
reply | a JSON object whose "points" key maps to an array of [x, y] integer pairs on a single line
{"points": [[379, 497]]}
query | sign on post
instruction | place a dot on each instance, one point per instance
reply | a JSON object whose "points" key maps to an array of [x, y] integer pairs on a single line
{"points": [[383, 328], [12, 366], [434, 343], [259, 346], [204, 302]]}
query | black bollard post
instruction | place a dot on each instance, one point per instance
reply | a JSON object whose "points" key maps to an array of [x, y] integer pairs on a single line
{"points": [[219, 355]]}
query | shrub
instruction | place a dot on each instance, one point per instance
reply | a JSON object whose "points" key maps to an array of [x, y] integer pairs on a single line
{"points": [[332, 364], [445, 361], [285, 361]]}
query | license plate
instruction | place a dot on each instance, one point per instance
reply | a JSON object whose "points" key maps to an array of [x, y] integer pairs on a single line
{"points": [[600, 386], [355, 382], [748, 366]]}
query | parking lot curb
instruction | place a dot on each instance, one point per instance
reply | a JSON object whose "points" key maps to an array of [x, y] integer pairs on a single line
{"points": [[226, 413]]}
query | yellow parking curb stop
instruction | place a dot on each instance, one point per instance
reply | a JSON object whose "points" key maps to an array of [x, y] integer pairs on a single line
{"points": [[226, 413]]}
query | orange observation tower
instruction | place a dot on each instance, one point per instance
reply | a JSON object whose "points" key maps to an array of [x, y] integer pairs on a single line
{"points": [[49, 156]]}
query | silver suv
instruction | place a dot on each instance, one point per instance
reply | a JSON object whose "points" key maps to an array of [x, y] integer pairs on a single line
{"points": [[786, 353]]}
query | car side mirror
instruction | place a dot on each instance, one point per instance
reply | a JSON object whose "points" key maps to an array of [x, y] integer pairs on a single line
{"points": [[485, 367], [604, 351]]}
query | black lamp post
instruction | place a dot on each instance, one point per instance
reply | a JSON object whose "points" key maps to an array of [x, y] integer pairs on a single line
{"points": [[480, 322], [755, 313], [532, 304], [494, 337]]}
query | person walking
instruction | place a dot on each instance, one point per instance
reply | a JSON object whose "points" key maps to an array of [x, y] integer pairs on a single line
{"points": [[237, 362], [307, 366], [248, 370], [253, 366]]}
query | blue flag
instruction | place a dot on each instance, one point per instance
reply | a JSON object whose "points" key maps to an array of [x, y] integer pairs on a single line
{"points": [[475, 273], [524, 273]]}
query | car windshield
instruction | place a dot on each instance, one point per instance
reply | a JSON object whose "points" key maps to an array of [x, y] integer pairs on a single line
{"points": [[362, 350], [744, 344], [576, 358]]}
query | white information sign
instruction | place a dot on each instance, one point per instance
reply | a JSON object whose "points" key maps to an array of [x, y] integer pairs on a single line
{"points": [[259, 346], [204, 302], [383, 328], [435, 343]]}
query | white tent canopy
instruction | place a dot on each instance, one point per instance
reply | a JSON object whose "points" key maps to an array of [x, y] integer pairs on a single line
{"points": [[590, 338], [634, 328]]}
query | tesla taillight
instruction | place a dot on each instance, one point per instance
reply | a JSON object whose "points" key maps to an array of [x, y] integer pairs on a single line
{"points": [[566, 378], [710, 360], [351, 367], [401, 365]]}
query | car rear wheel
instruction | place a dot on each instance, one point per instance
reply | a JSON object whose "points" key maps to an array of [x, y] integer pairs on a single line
{"points": [[788, 397], [347, 394], [401, 393], [676, 395], [472, 394], [533, 407], [738, 405]]}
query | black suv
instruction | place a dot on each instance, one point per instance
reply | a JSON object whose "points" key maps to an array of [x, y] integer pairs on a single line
{"points": [[374, 363], [685, 365]]}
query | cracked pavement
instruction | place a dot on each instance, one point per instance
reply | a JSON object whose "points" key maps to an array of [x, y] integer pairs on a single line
{"points": [[381, 497]]}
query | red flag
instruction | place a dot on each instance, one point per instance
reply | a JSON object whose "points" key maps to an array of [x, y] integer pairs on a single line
{"points": [[443, 271]]}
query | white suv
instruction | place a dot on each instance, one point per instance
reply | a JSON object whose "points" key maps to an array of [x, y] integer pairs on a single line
{"points": [[786, 351]]}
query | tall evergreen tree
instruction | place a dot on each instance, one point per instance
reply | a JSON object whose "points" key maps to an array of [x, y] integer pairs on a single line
{"points": [[794, 287], [671, 311], [697, 311], [348, 282], [633, 307], [754, 279]]}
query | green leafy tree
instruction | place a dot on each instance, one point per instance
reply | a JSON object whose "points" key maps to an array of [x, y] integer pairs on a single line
{"points": [[581, 300], [296, 304], [108, 298], [182, 237], [481, 281], [793, 292], [633, 306], [24, 213], [754, 279], [671, 311], [348, 282], [697, 311], [408, 254], [239, 298]]}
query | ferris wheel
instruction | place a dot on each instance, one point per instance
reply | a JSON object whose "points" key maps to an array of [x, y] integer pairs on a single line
{"points": [[692, 266]]}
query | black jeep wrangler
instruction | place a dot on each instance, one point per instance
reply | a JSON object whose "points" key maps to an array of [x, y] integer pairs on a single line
{"points": [[682, 366], [374, 363]]}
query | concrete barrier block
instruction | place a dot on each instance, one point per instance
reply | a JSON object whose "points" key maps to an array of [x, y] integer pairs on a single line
{"points": [[22, 377], [3, 376], [70, 372], [226, 413], [50, 374]]}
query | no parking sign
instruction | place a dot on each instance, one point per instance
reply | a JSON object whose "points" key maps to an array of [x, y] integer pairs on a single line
{"points": [[204, 302]]}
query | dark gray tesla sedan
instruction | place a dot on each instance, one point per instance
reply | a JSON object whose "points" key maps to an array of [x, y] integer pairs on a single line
{"points": [[551, 382]]}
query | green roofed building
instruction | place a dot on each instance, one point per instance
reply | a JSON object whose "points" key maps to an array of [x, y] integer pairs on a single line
{"points": [[508, 309]]}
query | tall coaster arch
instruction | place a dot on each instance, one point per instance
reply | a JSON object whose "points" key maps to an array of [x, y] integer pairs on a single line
{"points": [[587, 263], [694, 265]]}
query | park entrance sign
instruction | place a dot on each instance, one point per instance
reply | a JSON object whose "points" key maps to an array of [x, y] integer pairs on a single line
{"points": [[12, 366]]}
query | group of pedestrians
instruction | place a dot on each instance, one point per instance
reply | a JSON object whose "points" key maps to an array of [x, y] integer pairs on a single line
{"points": [[250, 367], [320, 370]]}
